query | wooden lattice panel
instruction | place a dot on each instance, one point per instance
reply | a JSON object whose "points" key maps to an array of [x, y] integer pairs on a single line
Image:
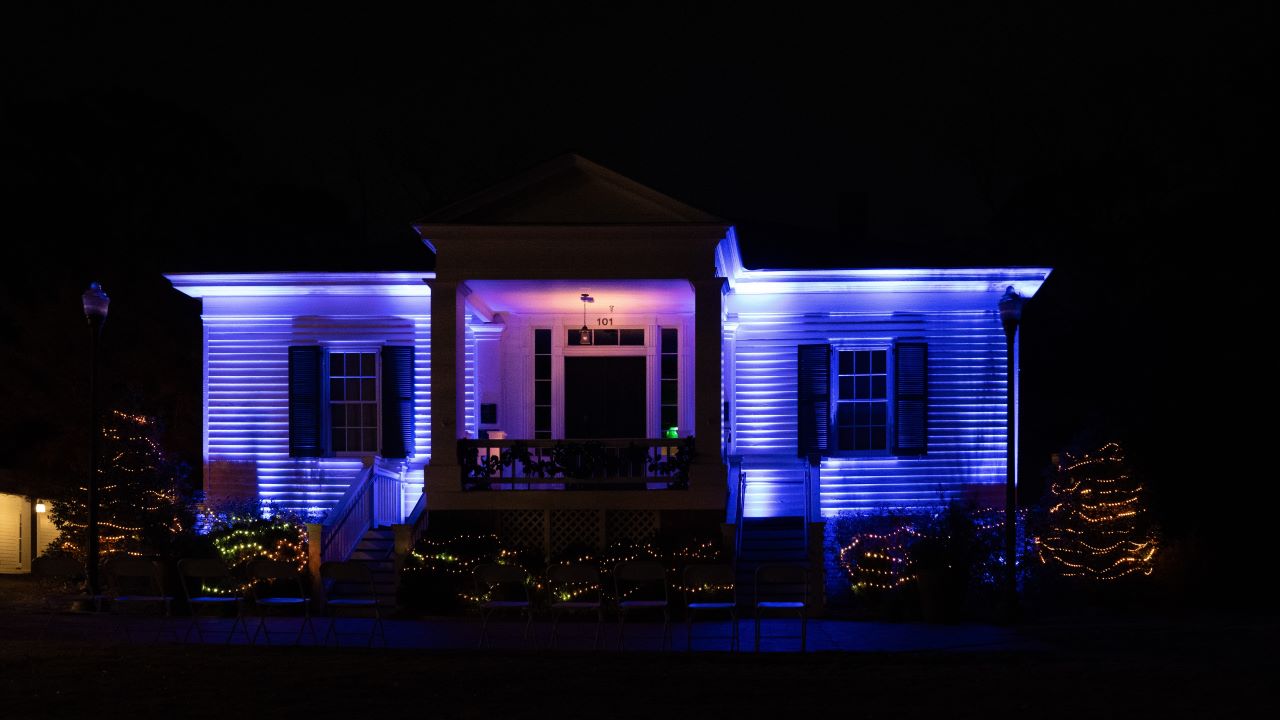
{"points": [[635, 525], [523, 529], [574, 527]]}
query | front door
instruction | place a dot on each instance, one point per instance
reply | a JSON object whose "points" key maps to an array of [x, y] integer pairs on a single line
{"points": [[604, 397]]}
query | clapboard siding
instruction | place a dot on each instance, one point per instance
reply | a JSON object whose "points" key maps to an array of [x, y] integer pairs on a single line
{"points": [[966, 416], [247, 406]]}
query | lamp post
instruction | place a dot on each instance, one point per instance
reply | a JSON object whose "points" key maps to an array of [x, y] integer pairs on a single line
{"points": [[95, 313], [1010, 305]]}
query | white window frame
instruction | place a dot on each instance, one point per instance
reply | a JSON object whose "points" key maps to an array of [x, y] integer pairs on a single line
{"points": [[377, 384], [834, 428]]}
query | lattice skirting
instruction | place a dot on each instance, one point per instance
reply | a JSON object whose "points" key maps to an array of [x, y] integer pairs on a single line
{"points": [[554, 531]]}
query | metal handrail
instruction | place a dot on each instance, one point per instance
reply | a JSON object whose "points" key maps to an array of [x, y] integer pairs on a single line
{"points": [[741, 510], [549, 463]]}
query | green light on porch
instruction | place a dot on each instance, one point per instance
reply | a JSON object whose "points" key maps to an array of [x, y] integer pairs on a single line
{"points": [[672, 433]]}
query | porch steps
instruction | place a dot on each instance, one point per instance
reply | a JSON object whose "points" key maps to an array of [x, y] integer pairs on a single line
{"points": [[775, 485], [375, 550], [767, 540]]}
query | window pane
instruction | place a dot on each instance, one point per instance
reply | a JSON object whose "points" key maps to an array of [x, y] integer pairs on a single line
{"points": [[606, 337], [542, 367], [864, 362], [670, 340], [670, 366], [631, 337], [542, 418], [335, 364], [542, 392], [337, 415], [845, 438], [844, 414], [670, 416], [862, 439], [335, 390], [368, 365], [864, 387], [846, 363], [369, 389], [370, 415], [877, 387], [370, 440], [863, 414], [542, 342], [338, 440], [670, 391], [571, 337], [353, 389], [878, 361], [846, 388], [353, 439]]}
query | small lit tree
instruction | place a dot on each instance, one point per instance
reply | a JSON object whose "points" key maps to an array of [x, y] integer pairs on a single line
{"points": [[1098, 524], [142, 495]]}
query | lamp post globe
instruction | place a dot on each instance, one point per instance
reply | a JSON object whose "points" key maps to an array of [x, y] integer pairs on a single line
{"points": [[96, 303]]}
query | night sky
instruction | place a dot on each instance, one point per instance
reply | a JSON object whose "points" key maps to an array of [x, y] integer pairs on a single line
{"points": [[1130, 151]]}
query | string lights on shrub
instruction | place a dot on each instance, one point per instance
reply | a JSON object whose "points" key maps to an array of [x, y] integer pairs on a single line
{"points": [[141, 501], [1098, 524]]}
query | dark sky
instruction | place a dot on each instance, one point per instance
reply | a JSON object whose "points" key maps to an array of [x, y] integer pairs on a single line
{"points": [[1131, 150]]}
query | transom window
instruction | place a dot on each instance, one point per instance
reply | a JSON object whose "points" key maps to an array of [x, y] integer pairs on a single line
{"points": [[353, 401], [862, 403]]}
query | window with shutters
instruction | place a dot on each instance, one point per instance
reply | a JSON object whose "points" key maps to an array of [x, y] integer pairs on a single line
{"points": [[862, 400], [353, 402]]}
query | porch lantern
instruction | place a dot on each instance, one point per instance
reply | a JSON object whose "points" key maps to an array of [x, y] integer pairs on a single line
{"points": [[584, 335]]}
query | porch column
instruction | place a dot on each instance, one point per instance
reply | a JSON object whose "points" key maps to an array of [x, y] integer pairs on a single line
{"points": [[708, 298], [447, 363]]}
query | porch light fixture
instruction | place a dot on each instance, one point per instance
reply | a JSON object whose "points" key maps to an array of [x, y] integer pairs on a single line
{"points": [[41, 507], [584, 335]]}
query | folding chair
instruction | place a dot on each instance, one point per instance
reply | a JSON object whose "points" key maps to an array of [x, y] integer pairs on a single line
{"points": [[214, 588], [138, 582], [58, 574], [575, 587], [349, 586], [502, 588], [279, 585], [641, 586], [783, 588], [711, 588]]}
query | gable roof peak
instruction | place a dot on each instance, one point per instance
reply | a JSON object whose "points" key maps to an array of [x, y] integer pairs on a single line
{"points": [[568, 190]]}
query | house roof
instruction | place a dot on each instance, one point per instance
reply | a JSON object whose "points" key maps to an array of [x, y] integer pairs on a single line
{"points": [[568, 190]]}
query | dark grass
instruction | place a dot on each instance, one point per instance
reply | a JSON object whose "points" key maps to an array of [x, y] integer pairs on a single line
{"points": [[1207, 666]]}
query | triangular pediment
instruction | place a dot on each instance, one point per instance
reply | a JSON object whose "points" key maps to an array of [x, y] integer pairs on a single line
{"points": [[569, 190]]}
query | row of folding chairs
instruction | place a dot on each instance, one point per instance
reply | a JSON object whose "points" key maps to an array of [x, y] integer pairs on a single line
{"points": [[641, 587], [137, 585]]}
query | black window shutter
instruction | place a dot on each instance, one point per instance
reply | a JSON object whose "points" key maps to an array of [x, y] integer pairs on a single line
{"points": [[397, 401], [308, 385], [813, 391], [910, 398]]}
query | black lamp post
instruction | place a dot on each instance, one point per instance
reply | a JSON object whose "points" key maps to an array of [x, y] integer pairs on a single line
{"points": [[1010, 305], [95, 313]]}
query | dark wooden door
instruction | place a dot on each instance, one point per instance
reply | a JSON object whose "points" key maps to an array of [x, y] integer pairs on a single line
{"points": [[604, 397]]}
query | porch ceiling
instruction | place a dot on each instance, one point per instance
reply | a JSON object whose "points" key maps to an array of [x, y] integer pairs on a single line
{"points": [[562, 296]]}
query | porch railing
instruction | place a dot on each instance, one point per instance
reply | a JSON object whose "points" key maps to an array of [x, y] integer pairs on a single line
{"points": [[615, 464], [372, 500]]}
